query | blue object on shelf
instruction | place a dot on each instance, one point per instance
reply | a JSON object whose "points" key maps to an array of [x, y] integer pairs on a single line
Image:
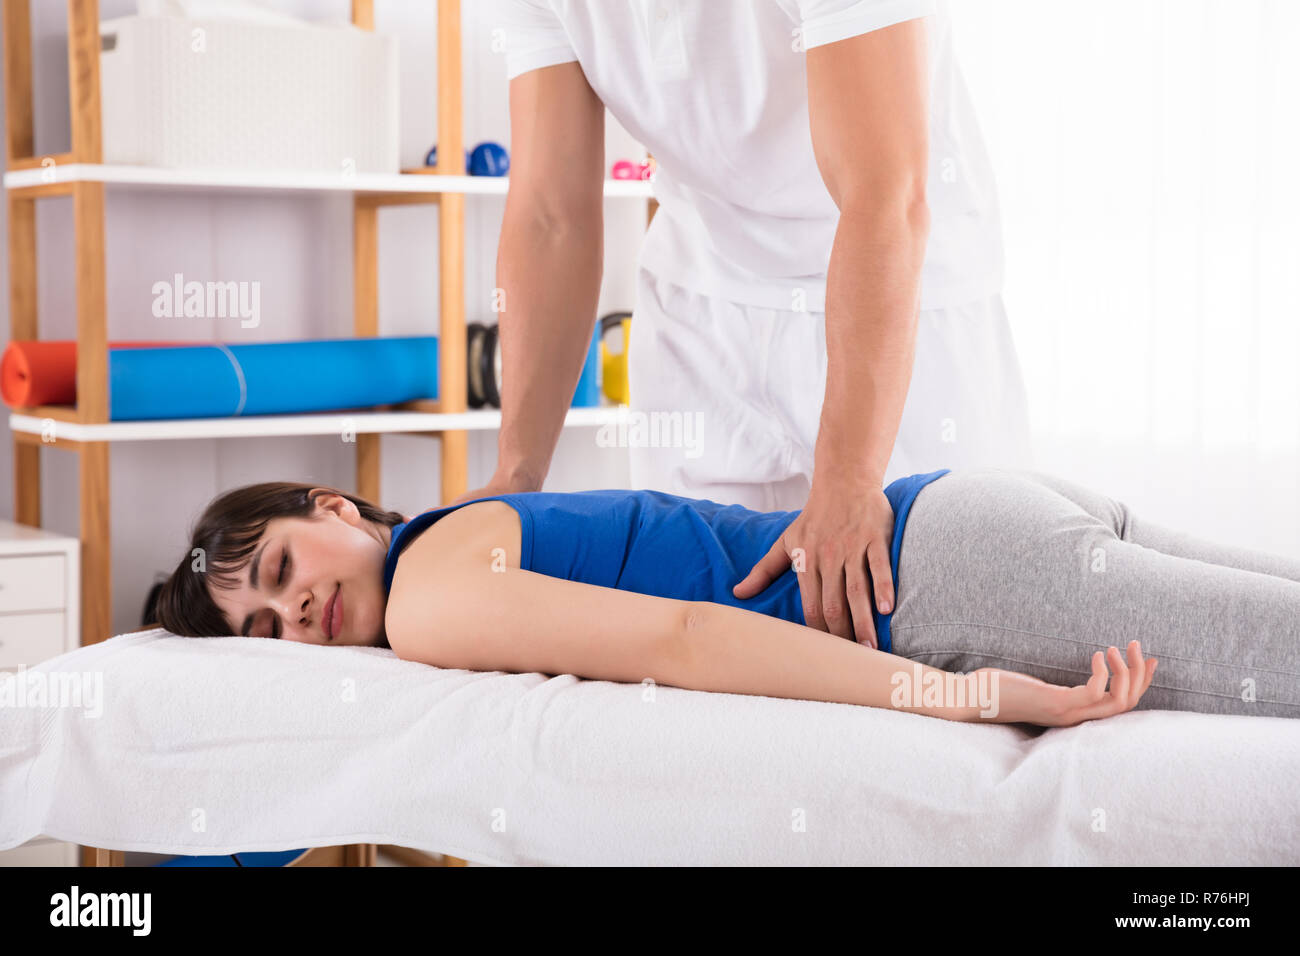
{"points": [[274, 858], [587, 394], [488, 159], [273, 378], [432, 158]]}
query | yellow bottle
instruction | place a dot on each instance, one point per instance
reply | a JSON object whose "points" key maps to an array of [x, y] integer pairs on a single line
{"points": [[613, 365]]}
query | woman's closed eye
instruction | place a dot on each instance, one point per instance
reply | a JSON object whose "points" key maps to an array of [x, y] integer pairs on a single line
{"points": [[279, 582], [284, 561]]}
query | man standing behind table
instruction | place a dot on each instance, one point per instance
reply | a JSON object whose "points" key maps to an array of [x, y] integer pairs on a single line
{"points": [[828, 233]]}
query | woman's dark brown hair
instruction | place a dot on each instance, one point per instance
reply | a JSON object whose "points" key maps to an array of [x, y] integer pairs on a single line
{"points": [[222, 542]]}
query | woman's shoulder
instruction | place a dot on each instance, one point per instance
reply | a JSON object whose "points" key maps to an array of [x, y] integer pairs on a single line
{"points": [[481, 530], [437, 565]]}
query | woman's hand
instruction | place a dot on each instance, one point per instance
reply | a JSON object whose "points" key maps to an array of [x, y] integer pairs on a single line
{"points": [[1025, 699]]}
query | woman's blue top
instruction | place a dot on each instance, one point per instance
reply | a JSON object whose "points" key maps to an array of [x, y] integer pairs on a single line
{"points": [[655, 543]]}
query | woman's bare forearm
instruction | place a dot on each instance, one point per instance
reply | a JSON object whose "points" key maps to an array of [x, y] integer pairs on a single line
{"points": [[732, 650]]}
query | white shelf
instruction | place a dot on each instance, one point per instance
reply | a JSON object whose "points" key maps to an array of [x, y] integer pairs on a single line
{"points": [[285, 180], [265, 426]]}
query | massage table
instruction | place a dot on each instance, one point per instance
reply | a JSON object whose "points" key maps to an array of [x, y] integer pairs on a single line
{"points": [[222, 745]]}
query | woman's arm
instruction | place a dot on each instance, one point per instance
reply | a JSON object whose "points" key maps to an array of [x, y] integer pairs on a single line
{"points": [[448, 611]]}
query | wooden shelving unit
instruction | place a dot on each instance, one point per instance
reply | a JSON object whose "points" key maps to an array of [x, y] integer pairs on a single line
{"points": [[81, 174]]}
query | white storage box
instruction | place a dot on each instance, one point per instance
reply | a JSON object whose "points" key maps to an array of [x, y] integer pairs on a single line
{"points": [[188, 93]]}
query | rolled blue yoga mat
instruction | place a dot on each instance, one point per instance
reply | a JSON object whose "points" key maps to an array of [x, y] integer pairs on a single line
{"points": [[273, 378]]}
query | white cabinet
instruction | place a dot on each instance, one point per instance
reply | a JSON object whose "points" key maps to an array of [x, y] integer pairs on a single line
{"points": [[40, 618]]}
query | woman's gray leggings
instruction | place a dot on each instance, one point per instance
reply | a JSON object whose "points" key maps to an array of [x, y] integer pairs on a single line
{"points": [[1029, 573]]}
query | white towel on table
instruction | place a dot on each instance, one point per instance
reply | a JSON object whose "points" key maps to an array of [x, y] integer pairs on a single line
{"points": [[240, 744]]}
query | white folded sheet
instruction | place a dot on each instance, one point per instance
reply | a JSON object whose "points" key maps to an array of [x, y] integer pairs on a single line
{"points": [[241, 744]]}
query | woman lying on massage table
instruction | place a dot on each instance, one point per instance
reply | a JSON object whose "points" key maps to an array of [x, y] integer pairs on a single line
{"points": [[1022, 584]]}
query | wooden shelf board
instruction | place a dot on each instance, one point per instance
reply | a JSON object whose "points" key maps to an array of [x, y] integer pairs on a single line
{"points": [[321, 423]]}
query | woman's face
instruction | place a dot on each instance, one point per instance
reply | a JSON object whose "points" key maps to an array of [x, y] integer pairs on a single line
{"points": [[315, 580]]}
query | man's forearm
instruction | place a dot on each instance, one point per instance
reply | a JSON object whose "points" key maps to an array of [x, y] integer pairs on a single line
{"points": [[872, 293], [551, 279]]}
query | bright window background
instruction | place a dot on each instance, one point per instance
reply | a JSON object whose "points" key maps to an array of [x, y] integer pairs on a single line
{"points": [[1148, 160]]}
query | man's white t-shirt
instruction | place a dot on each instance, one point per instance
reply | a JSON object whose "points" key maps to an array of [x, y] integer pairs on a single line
{"points": [[716, 91]]}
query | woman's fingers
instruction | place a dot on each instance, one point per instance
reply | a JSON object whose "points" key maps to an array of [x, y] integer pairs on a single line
{"points": [[1143, 672], [1150, 676], [1115, 700], [1128, 683], [1085, 701], [1137, 668], [1119, 681], [1097, 682]]}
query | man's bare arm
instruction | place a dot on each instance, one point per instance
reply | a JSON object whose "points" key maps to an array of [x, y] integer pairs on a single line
{"points": [[549, 263], [868, 105]]}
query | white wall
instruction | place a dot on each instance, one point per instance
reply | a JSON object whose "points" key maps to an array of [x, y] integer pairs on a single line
{"points": [[299, 249], [1146, 153]]}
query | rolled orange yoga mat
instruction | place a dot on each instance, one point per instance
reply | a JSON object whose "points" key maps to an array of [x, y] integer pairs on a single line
{"points": [[45, 373]]}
